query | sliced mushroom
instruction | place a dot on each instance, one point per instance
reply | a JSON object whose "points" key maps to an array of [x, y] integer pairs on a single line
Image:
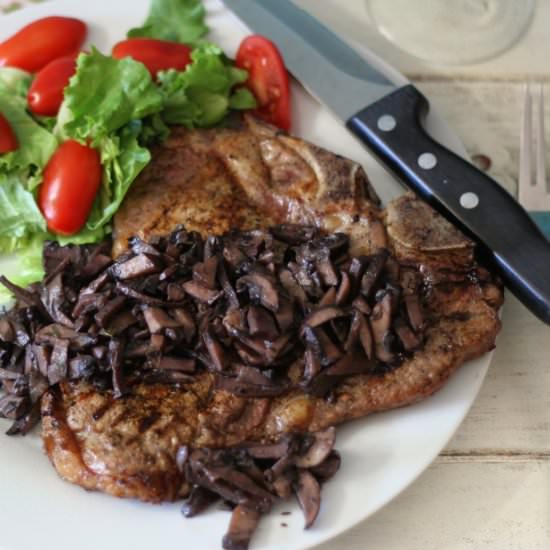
{"points": [[12, 406], [201, 293], [261, 289], [174, 292], [292, 287], [408, 338], [308, 492], [312, 364], [227, 287], [185, 319], [24, 424], [285, 315], [232, 485], [327, 272], [352, 363], [380, 323], [248, 356], [356, 271], [57, 369], [329, 298], [177, 363], [322, 344], [282, 485], [120, 322], [337, 243], [365, 336], [157, 319], [319, 450], [414, 312], [323, 315], [182, 456], [138, 266], [273, 451], [81, 366], [215, 350], [261, 323], [353, 335], [360, 304], [7, 334], [198, 501], [97, 284], [293, 234], [392, 270], [373, 272], [140, 296], [344, 289], [157, 342], [205, 272], [53, 298], [89, 303], [328, 468], [116, 352], [244, 521], [109, 310], [250, 382], [6, 374]]}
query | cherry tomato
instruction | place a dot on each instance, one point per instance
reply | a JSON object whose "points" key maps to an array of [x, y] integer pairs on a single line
{"points": [[42, 41], [156, 55], [267, 79], [71, 180], [8, 139], [46, 91]]}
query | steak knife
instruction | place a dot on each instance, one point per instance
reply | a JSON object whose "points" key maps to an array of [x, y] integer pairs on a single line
{"points": [[388, 119]]}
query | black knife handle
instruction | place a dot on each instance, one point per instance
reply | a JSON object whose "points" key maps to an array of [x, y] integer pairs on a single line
{"points": [[392, 129]]}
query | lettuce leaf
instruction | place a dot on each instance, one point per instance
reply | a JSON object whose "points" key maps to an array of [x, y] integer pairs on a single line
{"points": [[202, 94], [123, 158], [20, 218], [176, 20], [36, 144], [15, 82], [104, 95], [24, 268]]}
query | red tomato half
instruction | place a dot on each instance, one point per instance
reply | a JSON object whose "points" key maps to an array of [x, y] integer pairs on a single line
{"points": [[267, 79], [46, 91], [8, 139], [156, 55], [42, 41], [71, 180]]}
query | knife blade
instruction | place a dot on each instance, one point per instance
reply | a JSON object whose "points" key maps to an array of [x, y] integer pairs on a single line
{"points": [[388, 119]]}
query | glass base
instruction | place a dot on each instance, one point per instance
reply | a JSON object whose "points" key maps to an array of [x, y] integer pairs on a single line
{"points": [[452, 31]]}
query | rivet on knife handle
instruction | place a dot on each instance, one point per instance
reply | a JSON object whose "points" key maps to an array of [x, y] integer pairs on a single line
{"points": [[392, 129]]}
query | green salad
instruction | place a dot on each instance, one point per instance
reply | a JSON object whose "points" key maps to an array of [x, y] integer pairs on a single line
{"points": [[115, 106]]}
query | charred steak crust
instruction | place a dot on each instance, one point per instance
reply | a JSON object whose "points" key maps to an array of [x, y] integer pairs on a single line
{"points": [[126, 447]]}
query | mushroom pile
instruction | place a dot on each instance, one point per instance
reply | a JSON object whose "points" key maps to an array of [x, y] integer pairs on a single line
{"points": [[250, 479], [245, 306]]}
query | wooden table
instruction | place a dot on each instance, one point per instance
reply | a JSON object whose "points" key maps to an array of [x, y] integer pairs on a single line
{"points": [[490, 488]]}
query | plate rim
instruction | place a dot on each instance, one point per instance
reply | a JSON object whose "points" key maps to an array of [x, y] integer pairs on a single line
{"points": [[450, 139]]}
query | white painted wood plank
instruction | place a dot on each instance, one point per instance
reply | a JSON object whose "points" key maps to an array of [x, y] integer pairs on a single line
{"points": [[486, 117], [463, 506]]}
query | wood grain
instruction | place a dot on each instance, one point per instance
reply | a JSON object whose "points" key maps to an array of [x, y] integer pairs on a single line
{"points": [[456, 505]]}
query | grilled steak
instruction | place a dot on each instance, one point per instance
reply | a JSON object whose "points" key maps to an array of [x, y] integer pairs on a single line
{"points": [[215, 180]]}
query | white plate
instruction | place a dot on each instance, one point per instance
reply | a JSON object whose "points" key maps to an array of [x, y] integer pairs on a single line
{"points": [[381, 455]]}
